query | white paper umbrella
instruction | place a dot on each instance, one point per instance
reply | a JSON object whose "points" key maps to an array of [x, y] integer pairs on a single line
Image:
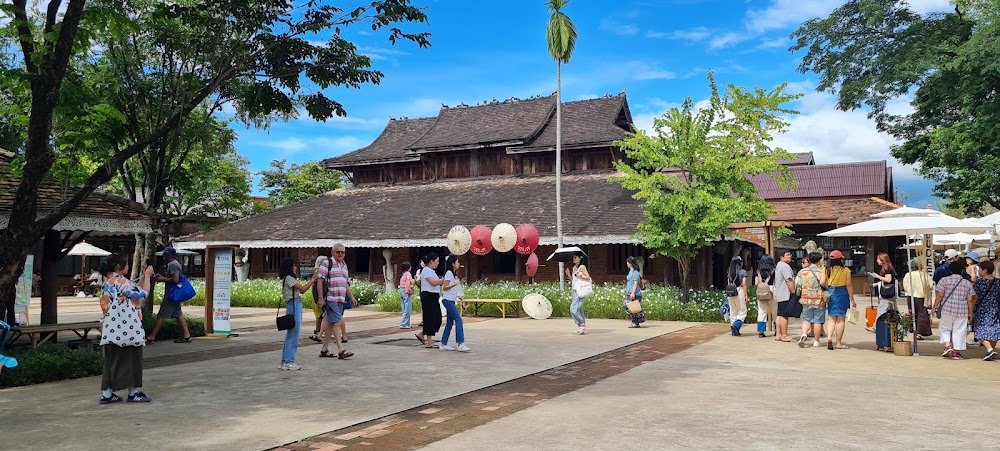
{"points": [[84, 248], [536, 306], [504, 237], [459, 240]]}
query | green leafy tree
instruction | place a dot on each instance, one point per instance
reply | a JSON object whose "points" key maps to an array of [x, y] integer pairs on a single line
{"points": [[261, 57], [297, 182], [692, 173], [561, 37], [873, 52]]}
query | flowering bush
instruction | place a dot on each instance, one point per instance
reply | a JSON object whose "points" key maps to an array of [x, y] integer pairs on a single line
{"points": [[659, 303], [267, 293]]}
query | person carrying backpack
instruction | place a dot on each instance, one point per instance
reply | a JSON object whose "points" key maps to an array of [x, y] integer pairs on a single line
{"points": [[766, 307], [736, 294]]}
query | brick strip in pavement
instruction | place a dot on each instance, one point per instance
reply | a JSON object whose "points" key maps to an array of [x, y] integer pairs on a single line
{"points": [[236, 351], [429, 423]]}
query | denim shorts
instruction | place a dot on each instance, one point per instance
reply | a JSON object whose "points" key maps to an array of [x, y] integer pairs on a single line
{"points": [[815, 314], [334, 312]]}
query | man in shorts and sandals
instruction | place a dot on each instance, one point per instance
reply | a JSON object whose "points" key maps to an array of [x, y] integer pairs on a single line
{"points": [[332, 279], [168, 308]]}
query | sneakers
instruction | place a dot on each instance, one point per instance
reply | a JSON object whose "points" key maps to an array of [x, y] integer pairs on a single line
{"points": [[580, 330], [113, 398], [447, 348], [956, 356], [290, 366], [990, 355], [463, 348], [138, 397], [947, 351], [802, 341], [816, 344]]}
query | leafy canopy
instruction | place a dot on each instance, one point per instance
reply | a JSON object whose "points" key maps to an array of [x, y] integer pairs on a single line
{"points": [[561, 33], [692, 172], [297, 182], [874, 52]]}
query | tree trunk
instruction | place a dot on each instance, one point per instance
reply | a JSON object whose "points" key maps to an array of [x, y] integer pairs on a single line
{"points": [[684, 266], [140, 245], [559, 233]]}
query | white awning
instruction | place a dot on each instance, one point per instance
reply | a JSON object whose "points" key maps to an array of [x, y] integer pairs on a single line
{"points": [[97, 226]]}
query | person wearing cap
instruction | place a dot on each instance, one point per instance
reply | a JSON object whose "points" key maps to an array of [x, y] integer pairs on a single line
{"points": [[972, 266], [170, 309], [942, 271], [955, 299], [838, 281]]}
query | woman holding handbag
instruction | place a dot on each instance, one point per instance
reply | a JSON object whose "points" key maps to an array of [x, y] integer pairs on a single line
{"points": [[633, 293], [581, 282], [886, 287], [291, 293], [838, 281]]}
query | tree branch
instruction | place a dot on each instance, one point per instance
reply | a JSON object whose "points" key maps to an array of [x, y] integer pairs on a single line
{"points": [[51, 15], [24, 36]]}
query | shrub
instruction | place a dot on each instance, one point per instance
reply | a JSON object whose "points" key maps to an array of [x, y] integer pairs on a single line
{"points": [[171, 329], [266, 293], [50, 363], [659, 303]]}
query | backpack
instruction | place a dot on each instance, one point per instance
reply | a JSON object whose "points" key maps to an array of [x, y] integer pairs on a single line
{"points": [[764, 293], [731, 289]]}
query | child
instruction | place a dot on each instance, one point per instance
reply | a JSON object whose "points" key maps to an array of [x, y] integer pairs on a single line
{"points": [[406, 295]]}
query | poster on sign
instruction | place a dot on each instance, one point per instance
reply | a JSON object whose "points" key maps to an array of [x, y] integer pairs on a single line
{"points": [[222, 271], [23, 290]]}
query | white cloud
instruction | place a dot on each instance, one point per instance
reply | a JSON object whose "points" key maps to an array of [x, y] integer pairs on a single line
{"points": [[322, 146], [727, 39], [785, 13], [782, 42], [691, 34], [621, 29], [639, 70]]}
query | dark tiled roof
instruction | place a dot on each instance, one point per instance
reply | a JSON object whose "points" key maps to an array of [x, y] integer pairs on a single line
{"points": [[397, 135], [592, 206], [585, 122], [833, 210], [830, 180], [509, 121], [529, 122], [52, 193], [802, 159]]}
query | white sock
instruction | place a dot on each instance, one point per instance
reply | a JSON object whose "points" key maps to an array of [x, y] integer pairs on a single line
{"points": [[107, 393], [132, 391]]}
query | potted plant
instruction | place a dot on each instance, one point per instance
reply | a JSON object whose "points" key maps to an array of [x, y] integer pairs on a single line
{"points": [[901, 328]]}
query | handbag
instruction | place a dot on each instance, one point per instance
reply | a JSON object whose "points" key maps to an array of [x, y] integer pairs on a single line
{"points": [[284, 322], [888, 291], [586, 288], [634, 307], [940, 309], [182, 290], [853, 315]]}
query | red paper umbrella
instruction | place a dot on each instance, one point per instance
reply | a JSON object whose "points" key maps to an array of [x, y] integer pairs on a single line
{"points": [[532, 265], [481, 244], [527, 239]]}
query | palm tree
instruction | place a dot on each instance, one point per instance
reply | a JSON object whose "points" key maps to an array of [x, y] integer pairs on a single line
{"points": [[561, 36]]}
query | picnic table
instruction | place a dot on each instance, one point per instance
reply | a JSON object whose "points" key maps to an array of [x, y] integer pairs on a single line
{"points": [[34, 332], [503, 303]]}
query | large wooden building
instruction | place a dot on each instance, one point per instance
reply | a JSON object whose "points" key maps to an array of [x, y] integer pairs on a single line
{"points": [[493, 163]]}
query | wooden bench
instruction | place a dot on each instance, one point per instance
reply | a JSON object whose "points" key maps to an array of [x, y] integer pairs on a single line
{"points": [[35, 331], [503, 303]]}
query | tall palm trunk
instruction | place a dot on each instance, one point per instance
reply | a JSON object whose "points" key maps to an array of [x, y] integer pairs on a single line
{"points": [[559, 233]]}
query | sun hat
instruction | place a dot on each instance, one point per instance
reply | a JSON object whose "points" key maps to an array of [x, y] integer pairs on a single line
{"points": [[836, 254]]}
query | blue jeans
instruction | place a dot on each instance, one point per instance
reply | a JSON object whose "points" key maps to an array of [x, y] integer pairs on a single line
{"points": [[406, 301], [576, 310], [454, 319], [292, 335]]}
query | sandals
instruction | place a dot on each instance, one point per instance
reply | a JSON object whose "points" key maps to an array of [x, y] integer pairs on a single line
{"points": [[422, 341], [315, 338], [150, 341], [344, 354], [842, 347], [327, 354], [183, 340], [829, 345]]}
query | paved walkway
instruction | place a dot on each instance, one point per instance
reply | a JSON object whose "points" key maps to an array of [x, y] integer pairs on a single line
{"points": [[526, 385]]}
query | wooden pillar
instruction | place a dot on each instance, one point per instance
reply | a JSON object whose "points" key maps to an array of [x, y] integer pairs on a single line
{"points": [[371, 262], [518, 267]]}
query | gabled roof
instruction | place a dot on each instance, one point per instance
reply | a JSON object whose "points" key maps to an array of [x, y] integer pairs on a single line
{"points": [[398, 135], [511, 121], [528, 123], [863, 179], [831, 210], [801, 159], [369, 216], [587, 121]]}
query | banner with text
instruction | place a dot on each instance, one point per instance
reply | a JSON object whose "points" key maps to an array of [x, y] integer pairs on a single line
{"points": [[222, 290]]}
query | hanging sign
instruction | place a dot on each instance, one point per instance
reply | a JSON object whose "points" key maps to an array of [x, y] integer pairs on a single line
{"points": [[222, 282]]}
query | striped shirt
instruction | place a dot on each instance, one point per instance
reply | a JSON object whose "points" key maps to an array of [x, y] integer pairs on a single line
{"points": [[335, 277], [956, 295]]}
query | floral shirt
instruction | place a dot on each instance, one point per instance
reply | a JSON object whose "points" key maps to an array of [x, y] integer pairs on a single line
{"points": [[808, 281], [121, 290]]}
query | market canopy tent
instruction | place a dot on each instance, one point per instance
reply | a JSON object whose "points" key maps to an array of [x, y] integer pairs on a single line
{"points": [[907, 221]]}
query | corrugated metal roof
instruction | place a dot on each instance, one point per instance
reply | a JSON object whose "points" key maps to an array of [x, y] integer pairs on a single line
{"points": [[802, 159], [830, 180]]}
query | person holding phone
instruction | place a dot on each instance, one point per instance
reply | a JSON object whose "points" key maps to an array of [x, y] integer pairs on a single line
{"points": [[886, 287]]}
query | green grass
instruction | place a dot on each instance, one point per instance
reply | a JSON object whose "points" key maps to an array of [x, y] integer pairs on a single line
{"points": [[267, 293], [50, 363], [659, 303]]}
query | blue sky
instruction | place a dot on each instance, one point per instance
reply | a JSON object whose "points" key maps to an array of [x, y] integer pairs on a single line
{"points": [[658, 51]]}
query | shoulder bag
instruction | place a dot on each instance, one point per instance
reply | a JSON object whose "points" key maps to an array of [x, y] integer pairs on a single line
{"points": [[887, 291], [182, 291], [940, 308], [583, 288], [287, 321]]}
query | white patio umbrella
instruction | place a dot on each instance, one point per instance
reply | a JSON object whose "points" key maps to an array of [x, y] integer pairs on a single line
{"points": [[908, 221], [84, 250]]}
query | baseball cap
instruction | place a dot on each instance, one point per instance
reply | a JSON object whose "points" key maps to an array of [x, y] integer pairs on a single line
{"points": [[836, 254], [169, 250], [974, 256], [951, 253]]}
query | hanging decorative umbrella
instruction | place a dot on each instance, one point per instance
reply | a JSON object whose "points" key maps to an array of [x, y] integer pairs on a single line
{"points": [[85, 249], [527, 239], [536, 306], [459, 240], [481, 244], [504, 237], [532, 265]]}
